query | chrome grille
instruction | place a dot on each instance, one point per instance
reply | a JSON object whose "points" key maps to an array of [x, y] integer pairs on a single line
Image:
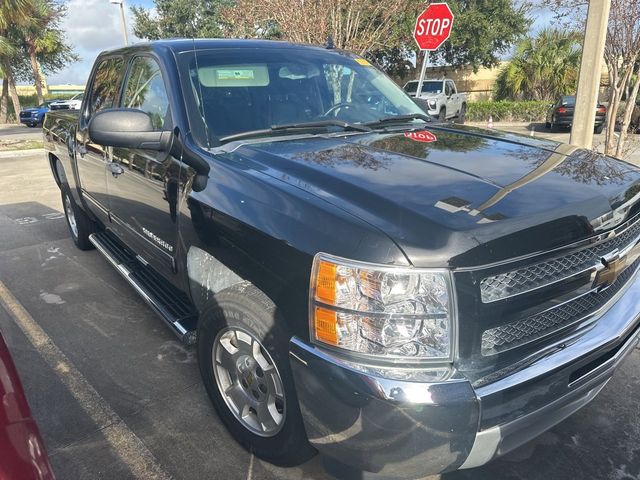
{"points": [[538, 275], [526, 330]]}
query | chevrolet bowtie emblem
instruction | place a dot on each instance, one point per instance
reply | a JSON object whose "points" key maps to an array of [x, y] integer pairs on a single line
{"points": [[608, 270]]}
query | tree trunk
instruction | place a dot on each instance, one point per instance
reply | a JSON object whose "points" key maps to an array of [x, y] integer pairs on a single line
{"points": [[628, 113], [617, 85], [15, 100], [4, 98], [35, 66]]}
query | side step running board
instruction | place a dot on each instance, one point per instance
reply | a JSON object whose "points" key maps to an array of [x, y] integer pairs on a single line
{"points": [[173, 306]]}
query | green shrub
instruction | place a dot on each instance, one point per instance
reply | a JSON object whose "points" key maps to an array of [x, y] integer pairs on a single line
{"points": [[507, 111]]}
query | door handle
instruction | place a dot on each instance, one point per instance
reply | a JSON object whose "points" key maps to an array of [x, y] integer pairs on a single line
{"points": [[116, 169]]}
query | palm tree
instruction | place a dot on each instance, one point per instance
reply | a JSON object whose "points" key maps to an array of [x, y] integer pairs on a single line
{"points": [[542, 67], [36, 37], [12, 13]]}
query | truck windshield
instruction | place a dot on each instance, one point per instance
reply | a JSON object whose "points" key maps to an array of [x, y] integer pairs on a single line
{"points": [[229, 91], [427, 87]]}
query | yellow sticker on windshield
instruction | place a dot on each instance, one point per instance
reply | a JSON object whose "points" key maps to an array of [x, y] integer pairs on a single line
{"points": [[363, 62]]}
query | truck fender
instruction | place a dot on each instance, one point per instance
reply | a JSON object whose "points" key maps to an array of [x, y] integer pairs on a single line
{"points": [[207, 276]]}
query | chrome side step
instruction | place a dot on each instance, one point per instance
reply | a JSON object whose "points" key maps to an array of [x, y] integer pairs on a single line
{"points": [[173, 306]]}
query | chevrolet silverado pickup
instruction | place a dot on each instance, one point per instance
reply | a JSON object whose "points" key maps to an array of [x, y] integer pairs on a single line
{"points": [[404, 297]]}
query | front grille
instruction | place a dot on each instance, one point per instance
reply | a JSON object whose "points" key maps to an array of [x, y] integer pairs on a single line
{"points": [[538, 275], [526, 330], [25, 114]]}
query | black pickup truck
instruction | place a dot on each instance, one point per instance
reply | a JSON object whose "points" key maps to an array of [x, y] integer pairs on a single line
{"points": [[404, 297]]}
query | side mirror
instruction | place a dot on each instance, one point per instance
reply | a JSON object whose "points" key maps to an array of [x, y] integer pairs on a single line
{"points": [[127, 128]]}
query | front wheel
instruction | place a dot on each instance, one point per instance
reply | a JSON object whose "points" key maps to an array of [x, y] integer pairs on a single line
{"points": [[243, 354], [442, 116], [79, 223], [462, 114]]}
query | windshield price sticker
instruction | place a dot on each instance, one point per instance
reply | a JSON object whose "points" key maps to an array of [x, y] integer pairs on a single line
{"points": [[422, 136]]}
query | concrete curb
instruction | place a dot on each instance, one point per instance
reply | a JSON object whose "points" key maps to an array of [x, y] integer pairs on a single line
{"points": [[20, 153]]}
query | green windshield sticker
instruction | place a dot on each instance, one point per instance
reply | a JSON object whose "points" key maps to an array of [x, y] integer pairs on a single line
{"points": [[235, 75]]}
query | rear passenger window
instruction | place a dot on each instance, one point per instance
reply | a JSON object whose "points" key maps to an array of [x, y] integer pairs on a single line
{"points": [[145, 91], [106, 85]]}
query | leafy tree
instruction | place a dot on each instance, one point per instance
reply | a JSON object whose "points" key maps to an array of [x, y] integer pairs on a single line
{"points": [[179, 18], [483, 32], [542, 67], [12, 12], [42, 43]]}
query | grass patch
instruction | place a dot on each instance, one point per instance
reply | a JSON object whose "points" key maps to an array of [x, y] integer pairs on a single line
{"points": [[12, 145]]}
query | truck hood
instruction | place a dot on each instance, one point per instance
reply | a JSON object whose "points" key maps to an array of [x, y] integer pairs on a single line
{"points": [[463, 196]]}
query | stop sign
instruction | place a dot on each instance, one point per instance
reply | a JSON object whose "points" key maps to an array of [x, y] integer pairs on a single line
{"points": [[433, 26]]}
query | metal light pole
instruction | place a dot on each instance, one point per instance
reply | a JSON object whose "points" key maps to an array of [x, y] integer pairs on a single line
{"points": [[595, 35], [124, 22]]}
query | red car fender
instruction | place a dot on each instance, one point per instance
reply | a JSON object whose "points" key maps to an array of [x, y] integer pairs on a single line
{"points": [[23, 454]]}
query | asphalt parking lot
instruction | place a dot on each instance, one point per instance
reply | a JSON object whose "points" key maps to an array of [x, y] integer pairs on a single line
{"points": [[116, 396]]}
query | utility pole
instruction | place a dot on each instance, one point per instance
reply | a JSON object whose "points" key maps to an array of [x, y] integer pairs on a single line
{"points": [[595, 36], [124, 22]]}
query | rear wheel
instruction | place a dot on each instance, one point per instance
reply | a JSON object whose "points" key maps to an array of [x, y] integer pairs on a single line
{"points": [[79, 223], [598, 129], [553, 127], [243, 356]]}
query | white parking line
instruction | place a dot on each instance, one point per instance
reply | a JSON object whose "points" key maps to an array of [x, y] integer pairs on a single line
{"points": [[131, 450]]}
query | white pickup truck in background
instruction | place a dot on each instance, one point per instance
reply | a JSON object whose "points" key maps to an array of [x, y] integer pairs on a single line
{"points": [[440, 98]]}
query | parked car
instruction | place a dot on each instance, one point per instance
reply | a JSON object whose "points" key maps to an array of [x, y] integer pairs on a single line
{"points": [[73, 103], [24, 455], [403, 296], [34, 116], [560, 114], [440, 98]]}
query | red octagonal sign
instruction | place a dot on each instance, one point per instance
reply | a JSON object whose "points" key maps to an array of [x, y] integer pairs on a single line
{"points": [[433, 26]]}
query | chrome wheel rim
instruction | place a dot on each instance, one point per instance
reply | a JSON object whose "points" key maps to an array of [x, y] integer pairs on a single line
{"points": [[248, 381], [71, 218]]}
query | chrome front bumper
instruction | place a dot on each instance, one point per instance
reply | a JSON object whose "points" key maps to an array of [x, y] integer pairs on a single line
{"points": [[404, 423]]}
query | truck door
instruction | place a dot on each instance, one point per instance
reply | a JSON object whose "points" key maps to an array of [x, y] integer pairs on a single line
{"points": [[453, 103], [143, 184], [92, 159]]}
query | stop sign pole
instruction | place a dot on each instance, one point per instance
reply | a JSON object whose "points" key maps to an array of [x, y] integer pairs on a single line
{"points": [[433, 27]]}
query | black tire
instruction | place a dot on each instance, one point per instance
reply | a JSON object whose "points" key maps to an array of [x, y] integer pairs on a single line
{"points": [[547, 125], [31, 125], [554, 128], [246, 308], [462, 114], [79, 223], [442, 115], [598, 129]]}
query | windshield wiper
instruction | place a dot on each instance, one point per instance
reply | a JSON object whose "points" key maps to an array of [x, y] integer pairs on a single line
{"points": [[319, 125], [399, 119]]}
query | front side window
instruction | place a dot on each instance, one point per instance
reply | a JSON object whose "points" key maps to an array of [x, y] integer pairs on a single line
{"points": [[145, 91], [106, 85], [237, 90]]}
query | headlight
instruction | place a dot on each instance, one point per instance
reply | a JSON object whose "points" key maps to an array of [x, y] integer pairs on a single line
{"points": [[382, 311], [432, 104]]}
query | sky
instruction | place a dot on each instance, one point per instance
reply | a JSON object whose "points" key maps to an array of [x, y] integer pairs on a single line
{"points": [[92, 26], [95, 25]]}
